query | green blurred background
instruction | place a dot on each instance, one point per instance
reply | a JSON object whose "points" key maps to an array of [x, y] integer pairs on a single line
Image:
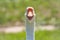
{"points": [[47, 13]]}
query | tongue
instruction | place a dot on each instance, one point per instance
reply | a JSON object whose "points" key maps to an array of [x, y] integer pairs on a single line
{"points": [[30, 17]]}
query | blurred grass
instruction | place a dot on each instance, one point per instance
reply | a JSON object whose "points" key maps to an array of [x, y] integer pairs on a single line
{"points": [[47, 35], [12, 36], [39, 35]]}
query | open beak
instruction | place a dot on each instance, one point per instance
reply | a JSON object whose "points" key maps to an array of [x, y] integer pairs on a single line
{"points": [[30, 15]]}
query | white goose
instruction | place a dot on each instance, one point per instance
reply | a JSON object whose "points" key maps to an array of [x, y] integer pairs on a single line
{"points": [[30, 23]]}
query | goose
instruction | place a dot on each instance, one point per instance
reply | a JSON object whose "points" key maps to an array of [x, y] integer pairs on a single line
{"points": [[30, 23]]}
